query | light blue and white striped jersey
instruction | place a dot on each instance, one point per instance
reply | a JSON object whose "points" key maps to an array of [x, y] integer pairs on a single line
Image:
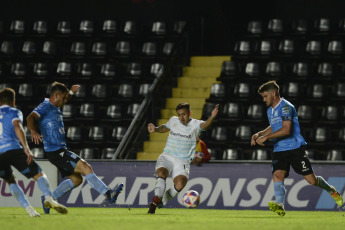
{"points": [[8, 138], [51, 126], [182, 139]]}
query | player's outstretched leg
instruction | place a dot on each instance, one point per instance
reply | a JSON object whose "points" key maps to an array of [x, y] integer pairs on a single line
{"points": [[49, 203], [31, 211], [114, 193], [156, 202], [337, 197], [277, 208]]}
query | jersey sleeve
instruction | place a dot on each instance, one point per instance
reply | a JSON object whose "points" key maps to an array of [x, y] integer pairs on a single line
{"points": [[17, 115], [40, 110], [169, 123], [287, 112]]}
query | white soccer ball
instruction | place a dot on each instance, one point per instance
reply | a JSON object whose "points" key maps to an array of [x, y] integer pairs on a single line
{"points": [[191, 199]]}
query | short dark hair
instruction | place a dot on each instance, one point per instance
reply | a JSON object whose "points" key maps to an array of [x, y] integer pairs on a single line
{"points": [[58, 87], [183, 105], [270, 85], [7, 96]]}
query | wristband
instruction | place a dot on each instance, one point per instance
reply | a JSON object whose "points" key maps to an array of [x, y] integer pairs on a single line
{"points": [[70, 92]]}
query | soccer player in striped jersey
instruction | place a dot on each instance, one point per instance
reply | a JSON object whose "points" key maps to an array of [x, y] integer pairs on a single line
{"points": [[289, 145], [14, 150], [178, 153]]}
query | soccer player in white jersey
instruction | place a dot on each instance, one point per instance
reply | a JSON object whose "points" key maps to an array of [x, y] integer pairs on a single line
{"points": [[178, 153]]}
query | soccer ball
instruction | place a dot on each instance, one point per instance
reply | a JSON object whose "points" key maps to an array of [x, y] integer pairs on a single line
{"points": [[191, 199]]}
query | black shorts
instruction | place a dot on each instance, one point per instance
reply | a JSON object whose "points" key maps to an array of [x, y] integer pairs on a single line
{"points": [[297, 158], [64, 160], [17, 158]]}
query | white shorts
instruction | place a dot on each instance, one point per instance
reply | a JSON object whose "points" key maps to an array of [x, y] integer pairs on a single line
{"points": [[174, 165]]}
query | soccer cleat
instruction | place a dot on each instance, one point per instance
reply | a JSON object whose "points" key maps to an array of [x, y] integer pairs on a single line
{"points": [[337, 197], [115, 193], [46, 210], [277, 208], [51, 203], [32, 212], [156, 202]]}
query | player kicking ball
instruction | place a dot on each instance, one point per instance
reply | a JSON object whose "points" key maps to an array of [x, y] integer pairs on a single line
{"points": [[48, 116], [289, 145], [14, 150], [178, 153]]}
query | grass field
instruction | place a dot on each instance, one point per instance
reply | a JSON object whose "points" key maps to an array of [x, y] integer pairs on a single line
{"points": [[185, 219]]}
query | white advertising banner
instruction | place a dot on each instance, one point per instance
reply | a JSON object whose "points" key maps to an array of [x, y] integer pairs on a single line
{"points": [[29, 186]]}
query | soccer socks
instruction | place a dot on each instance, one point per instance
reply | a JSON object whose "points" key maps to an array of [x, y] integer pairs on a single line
{"points": [[64, 187], [160, 187], [169, 194], [96, 183], [323, 184], [18, 193], [279, 192], [44, 185]]}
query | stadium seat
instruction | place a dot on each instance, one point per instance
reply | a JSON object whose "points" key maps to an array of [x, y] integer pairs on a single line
{"points": [[244, 133], [64, 27], [85, 69], [74, 133], [316, 91], [87, 110], [88, 153], [123, 47], [114, 111], [265, 48], [29, 47], [219, 133], [253, 69], [287, 47], [217, 91], [313, 48], [300, 27], [341, 135], [273, 69], [301, 69], [330, 113], [25, 90], [108, 69], [275, 26], [179, 27], [64, 68], [231, 110], [229, 68], [159, 28], [49, 48], [96, 133], [291, 90], [40, 27], [18, 69], [40, 69], [231, 154], [335, 155], [242, 48], [68, 111], [157, 69], [207, 109], [99, 91], [107, 153], [255, 28], [242, 90], [86, 26], [118, 133], [320, 134], [99, 48], [126, 91], [168, 48], [325, 69], [260, 154], [7, 47], [149, 49], [130, 28], [338, 90], [310, 153], [134, 69], [81, 93], [109, 26], [256, 111], [144, 89], [305, 113], [78, 48], [38, 153], [322, 26], [335, 48], [17, 27], [132, 110]]}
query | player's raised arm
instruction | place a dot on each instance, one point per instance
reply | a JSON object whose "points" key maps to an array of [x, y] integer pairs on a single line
{"points": [[18, 129], [35, 136], [206, 124], [160, 129], [74, 89]]}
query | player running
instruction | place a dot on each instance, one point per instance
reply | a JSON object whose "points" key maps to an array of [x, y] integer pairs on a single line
{"points": [[178, 153], [289, 145], [48, 115], [14, 150]]}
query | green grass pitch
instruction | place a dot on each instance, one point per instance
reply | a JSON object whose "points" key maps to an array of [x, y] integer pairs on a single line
{"points": [[184, 219]]}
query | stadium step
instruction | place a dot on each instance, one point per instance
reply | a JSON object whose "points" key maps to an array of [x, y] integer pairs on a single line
{"points": [[193, 87]]}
